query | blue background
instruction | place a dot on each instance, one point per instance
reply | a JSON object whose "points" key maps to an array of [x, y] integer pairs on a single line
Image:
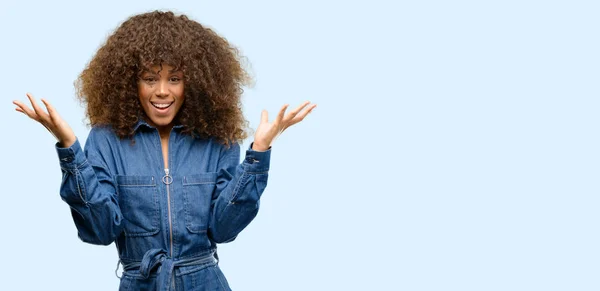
{"points": [[454, 146]]}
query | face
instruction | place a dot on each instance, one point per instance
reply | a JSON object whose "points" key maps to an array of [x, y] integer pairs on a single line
{"points": [[160, 90]]}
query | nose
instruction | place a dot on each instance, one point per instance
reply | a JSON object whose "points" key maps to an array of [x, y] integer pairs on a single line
{"points": [[162, 90]]}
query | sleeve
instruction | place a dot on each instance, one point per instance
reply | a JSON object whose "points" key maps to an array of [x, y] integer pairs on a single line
{"points": [[89, 190], [235, 201]]}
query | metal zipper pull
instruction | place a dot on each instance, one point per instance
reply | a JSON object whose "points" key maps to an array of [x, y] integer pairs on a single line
{"points": [[167, 179]]}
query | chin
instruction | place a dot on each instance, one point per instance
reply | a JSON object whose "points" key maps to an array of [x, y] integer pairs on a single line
{"points": [[161, 122]]}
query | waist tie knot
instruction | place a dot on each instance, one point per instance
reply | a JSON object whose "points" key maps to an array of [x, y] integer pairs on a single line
{"points": [[156, 257]]}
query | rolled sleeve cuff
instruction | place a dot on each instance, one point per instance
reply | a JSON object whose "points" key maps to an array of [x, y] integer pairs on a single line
{"points": [[71, 157], [257, 162]]}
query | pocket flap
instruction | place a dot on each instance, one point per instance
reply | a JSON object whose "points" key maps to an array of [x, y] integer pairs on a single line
{"points": [[202, 178], [135, 181]]}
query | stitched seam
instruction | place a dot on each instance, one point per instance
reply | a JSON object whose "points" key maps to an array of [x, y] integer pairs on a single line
{"points": [[198, 268], [186, 211], [198, 183], [83, 189], [128, 283], [142, 234], [137, 276], [187, 205], [237, 187], [81, 195], [258, 172], [68, 169], [83, 164], [155, 219], [235, 190], [198, 254], [219, 278], [73, 168], [193, 282]]}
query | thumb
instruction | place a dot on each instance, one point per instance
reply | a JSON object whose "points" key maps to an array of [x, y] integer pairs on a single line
{"points": [[264, 116]]}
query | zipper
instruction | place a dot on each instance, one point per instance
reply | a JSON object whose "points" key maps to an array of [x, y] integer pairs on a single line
{"points": [[168, 179]]}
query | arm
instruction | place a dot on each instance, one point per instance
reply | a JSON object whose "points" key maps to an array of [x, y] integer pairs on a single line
{"points": [[90, 192], [86, 185], [236, 199], [235, 202]]}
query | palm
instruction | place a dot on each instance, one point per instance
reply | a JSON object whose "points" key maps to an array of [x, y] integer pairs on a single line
{"points": [[266, 132], [51, 120]]}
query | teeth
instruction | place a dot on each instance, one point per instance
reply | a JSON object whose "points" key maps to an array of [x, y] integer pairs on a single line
{"points": [[161, 105]]}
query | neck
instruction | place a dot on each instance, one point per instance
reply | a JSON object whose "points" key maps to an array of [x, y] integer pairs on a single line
{"points": [[164, 131]]}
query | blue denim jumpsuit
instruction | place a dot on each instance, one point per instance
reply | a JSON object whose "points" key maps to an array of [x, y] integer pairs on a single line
{"points": [[165, 222]]}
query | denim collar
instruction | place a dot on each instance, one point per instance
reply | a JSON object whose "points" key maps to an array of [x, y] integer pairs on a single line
{"points": [[142, 122]]}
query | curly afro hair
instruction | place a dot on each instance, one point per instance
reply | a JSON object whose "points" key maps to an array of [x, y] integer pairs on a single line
{"points": [[213, 76]]}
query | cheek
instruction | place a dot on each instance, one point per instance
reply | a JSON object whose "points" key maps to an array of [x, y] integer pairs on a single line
{"points": [[179, 92], [143, 92]]}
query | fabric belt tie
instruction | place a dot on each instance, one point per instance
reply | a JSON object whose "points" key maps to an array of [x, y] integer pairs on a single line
{"points": [[155, 257]]}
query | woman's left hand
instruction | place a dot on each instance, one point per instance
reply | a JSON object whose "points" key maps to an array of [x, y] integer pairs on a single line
{"points": [[267, 131]]}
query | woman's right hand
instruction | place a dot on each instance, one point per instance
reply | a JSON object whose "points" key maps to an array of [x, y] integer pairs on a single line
{"points": [[51, 120]]}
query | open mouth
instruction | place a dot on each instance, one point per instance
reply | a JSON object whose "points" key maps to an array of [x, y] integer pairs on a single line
{"points": [[162, 106]]}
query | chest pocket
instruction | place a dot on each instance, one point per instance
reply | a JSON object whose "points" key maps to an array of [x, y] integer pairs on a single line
{"points": [[138, 199], [197, 194]]}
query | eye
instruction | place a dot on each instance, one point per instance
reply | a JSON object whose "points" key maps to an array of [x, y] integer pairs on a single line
{"points": [[150, 79], [174, 79]]}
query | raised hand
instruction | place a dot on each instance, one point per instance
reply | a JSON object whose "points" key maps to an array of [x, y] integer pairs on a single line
{"points": [[267, 131], [50, 120]]}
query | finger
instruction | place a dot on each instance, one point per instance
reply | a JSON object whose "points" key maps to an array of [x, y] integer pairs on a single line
{"points": [[298, 109], [264, 116], [302, 115], [25, 109], [51, 111], [38, 110], [308, 110], [281, 114]]}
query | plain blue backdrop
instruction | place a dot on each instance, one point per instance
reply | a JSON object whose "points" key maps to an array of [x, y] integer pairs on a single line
{"points": [[454, 146]]}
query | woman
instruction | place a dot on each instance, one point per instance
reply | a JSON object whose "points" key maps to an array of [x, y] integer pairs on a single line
{"points": [[160, 174]]}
